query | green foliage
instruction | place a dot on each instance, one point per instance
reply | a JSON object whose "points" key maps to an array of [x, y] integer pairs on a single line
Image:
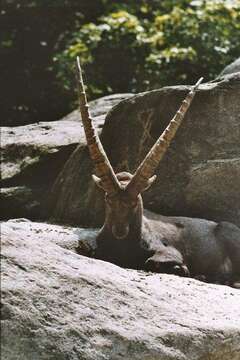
{"points": [[29, 33], [112, 52], [193, 41], [125, 46], [144, 45]]}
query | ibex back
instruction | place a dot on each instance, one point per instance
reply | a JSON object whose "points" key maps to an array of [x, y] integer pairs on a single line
{"points": [[136, 238]]}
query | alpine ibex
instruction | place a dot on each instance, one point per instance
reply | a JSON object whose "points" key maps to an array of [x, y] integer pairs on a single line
{"points": [[136, 238]]}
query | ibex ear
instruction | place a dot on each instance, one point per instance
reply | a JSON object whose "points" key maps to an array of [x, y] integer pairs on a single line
{"points": [[150, 182], [97, 181]]}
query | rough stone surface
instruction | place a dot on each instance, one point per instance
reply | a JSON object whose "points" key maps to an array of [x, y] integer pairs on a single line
{"points": [[71, 238], [59, 305], [20, 201], [33, 155], [232, 68], [200, 174]]}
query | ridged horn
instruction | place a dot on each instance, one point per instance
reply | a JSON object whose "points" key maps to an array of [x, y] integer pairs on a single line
{"points": [[141, 178], [103, 168]]}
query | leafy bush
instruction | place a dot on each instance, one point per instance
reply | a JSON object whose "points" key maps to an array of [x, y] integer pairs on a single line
{"points": [[125, 46], [29, 31], [113, 52], [136, 48]]}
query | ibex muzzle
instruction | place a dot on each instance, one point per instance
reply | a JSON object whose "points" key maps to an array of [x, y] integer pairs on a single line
{"points": [[134, 237]]}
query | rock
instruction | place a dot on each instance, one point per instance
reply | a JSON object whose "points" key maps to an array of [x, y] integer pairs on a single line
{"points": [[20, 201], [200, 174], [70, 238], [232, 68], [33, 155], [99, 108], [25, 146], [59, 305], [30, 147]]}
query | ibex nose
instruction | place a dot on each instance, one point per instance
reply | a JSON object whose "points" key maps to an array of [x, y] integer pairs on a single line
{"points": [[120, 231]]}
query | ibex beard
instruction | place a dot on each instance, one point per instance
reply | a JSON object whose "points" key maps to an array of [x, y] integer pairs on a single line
{"points": [[136, 238]]}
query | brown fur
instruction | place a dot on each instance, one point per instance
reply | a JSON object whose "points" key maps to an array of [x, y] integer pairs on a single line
{"points": [[137, 238]]}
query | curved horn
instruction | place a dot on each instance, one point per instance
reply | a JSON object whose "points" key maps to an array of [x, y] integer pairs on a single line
{"points": [[146, 169], [103, 168]]}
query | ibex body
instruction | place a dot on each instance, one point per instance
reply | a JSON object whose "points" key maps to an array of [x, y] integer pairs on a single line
{"points": [[134, 237], [137, 238]]}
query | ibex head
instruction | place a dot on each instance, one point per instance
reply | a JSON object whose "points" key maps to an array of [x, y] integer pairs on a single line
{"points": [[122, 208], [123, 190]]}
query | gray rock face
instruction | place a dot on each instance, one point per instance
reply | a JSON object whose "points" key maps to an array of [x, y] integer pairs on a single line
{"points": [[18, 201], [33, 155], [59, 305], [232, 68], [198, 177]]}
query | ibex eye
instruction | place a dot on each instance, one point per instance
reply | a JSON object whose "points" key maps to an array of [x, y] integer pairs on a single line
{"points": [[165, 242]]}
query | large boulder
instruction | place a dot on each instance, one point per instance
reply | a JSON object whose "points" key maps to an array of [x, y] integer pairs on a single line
{"points": [[33, 155], [200, 174], [59, 305], [232, 68]]}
